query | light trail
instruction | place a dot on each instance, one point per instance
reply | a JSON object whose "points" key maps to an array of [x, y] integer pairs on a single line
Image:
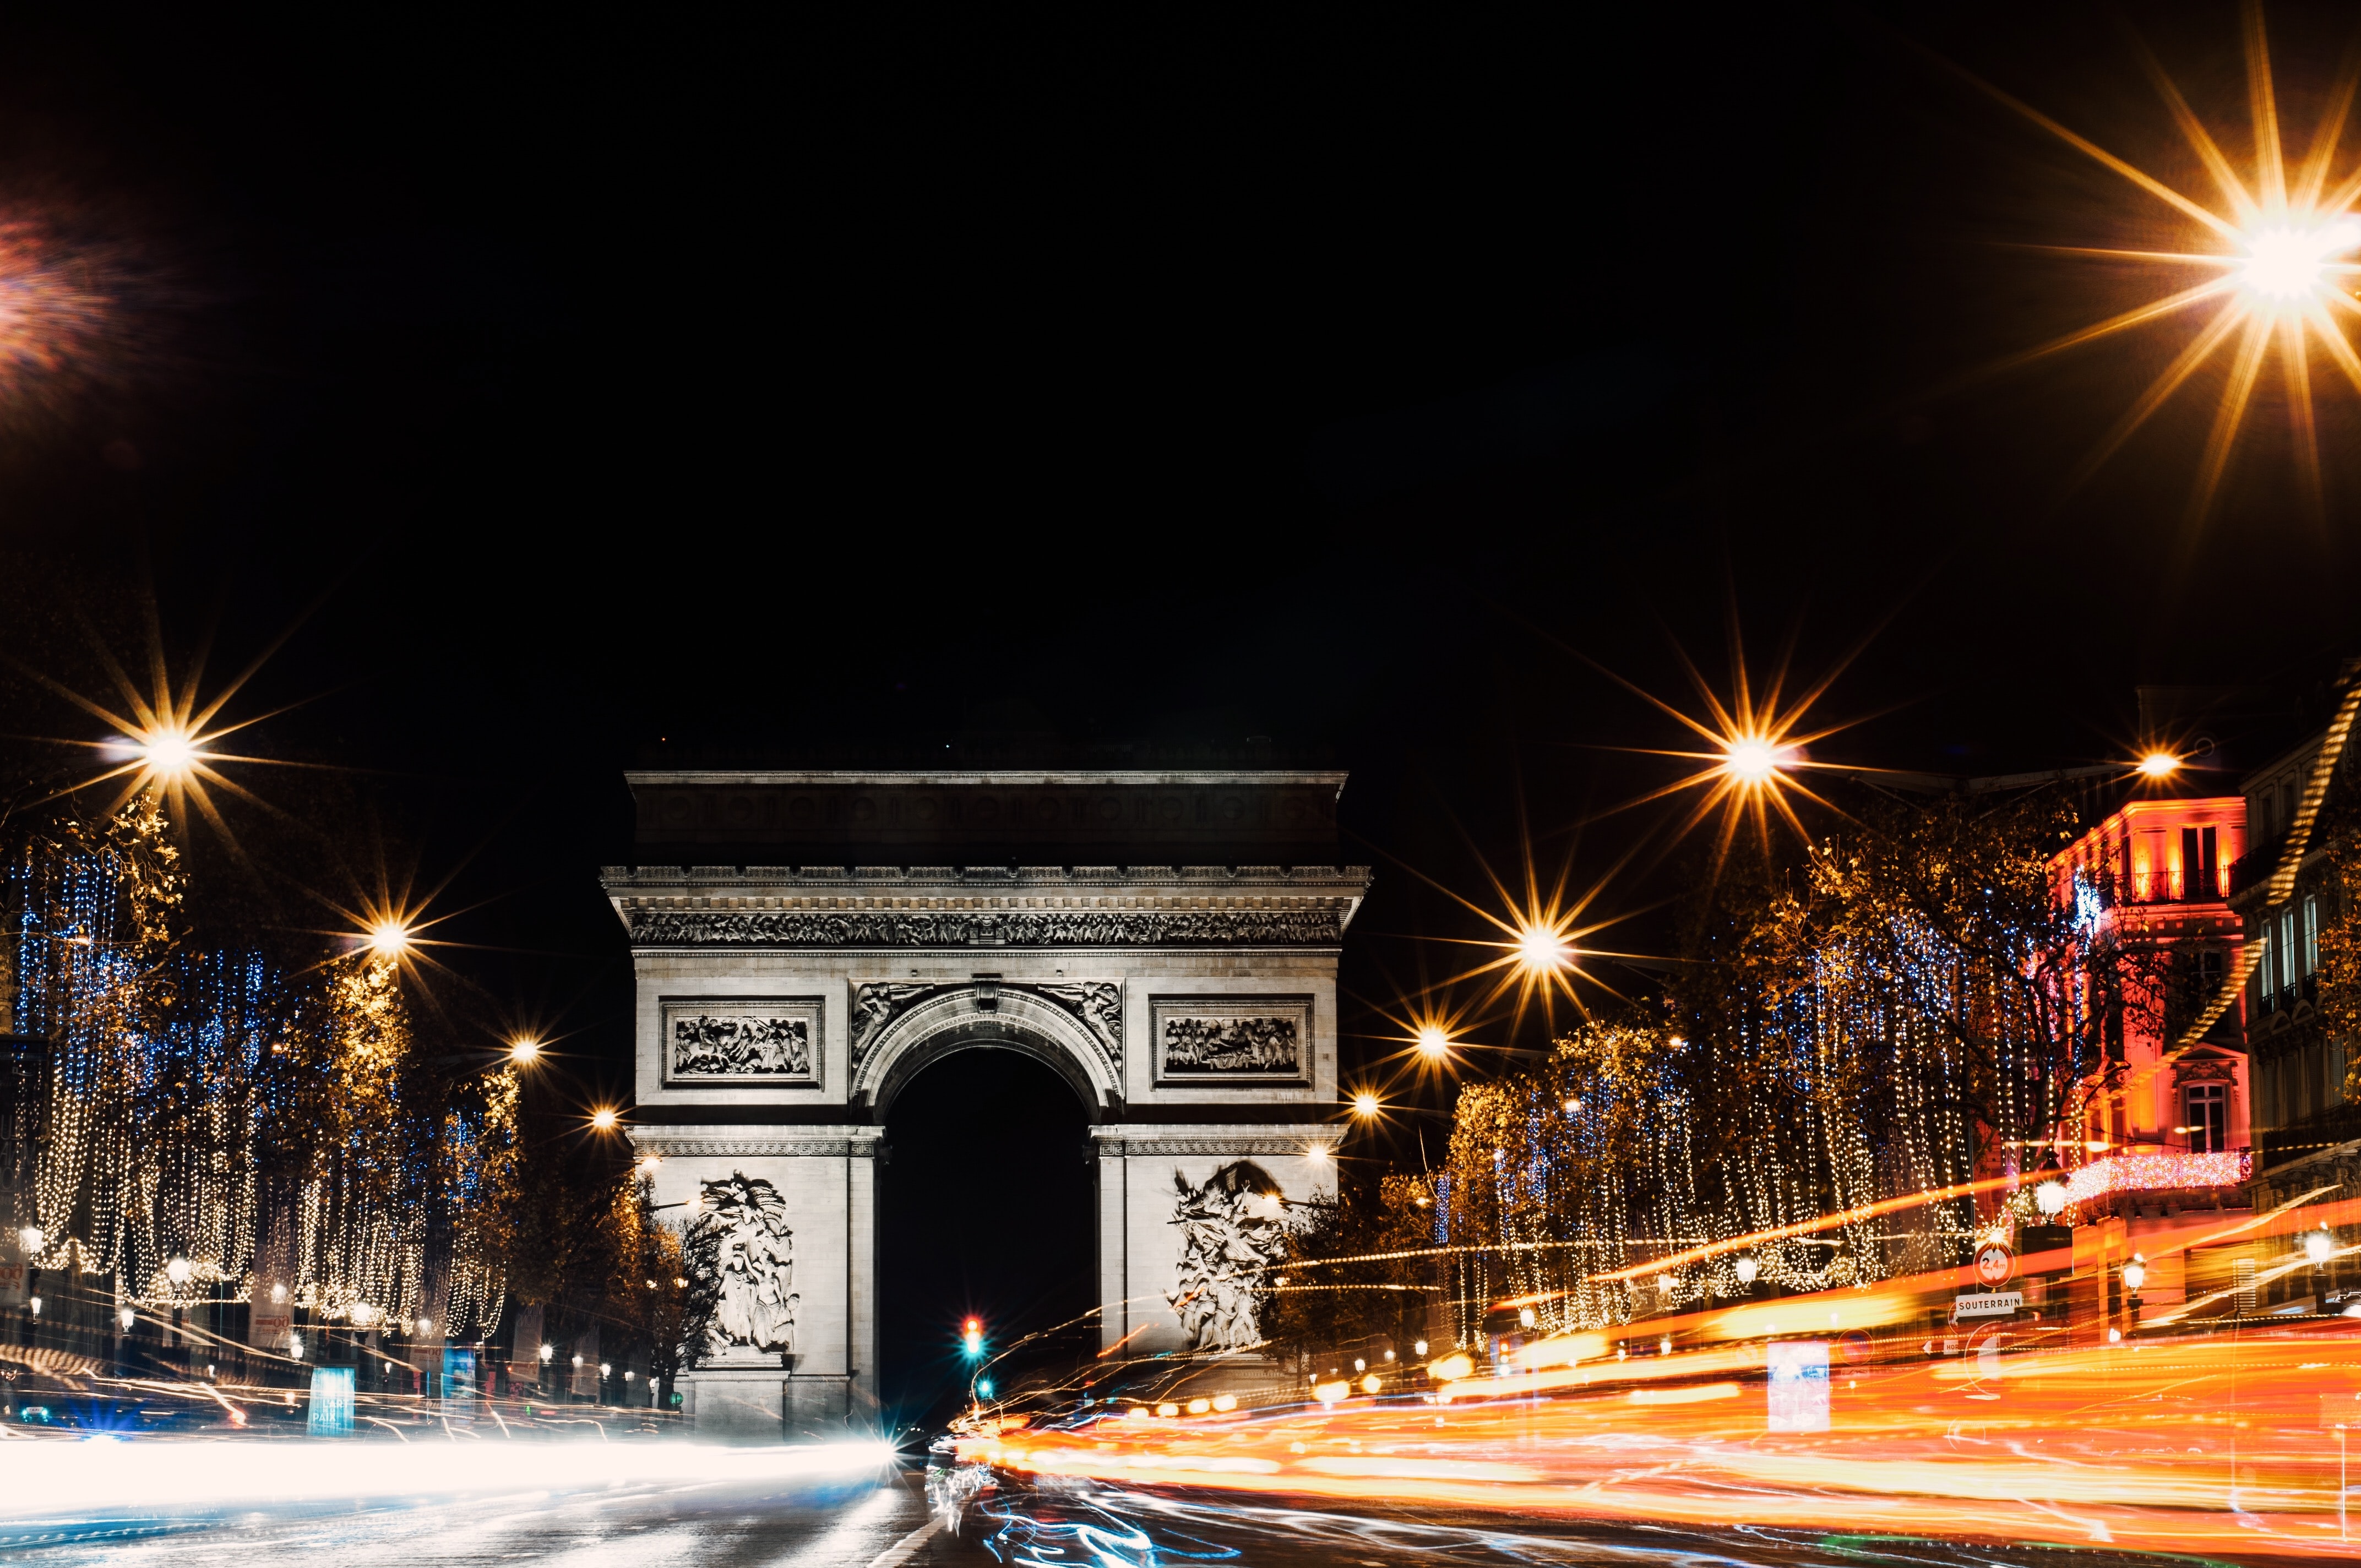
{"points": [[46, 1476], [2204, 1445]]}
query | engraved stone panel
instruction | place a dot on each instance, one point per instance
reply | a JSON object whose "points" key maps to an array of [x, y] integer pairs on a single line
{"points": [[756, 1040], [1231, 1039]]}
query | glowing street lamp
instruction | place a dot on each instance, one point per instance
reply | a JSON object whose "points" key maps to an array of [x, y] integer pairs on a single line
{"points": [[2318, 1245], [387, 938], [2135, 1274], [1748, 1267], [1541, 948], [1750, 760], [178, 1271], [168, 754], [524, 1052], [2159, 765], [2050, 1196], [2287, 263], [1365, 1104], [1433, 1044], [31, 1237], [604, 1118]]}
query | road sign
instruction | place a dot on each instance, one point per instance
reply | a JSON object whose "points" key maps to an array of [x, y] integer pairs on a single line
{"points": [[1799, 1385], [1989, 1304], [1995, 1265]]}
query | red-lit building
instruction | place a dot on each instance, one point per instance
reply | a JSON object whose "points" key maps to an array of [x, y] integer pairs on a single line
{"points": [[2159, 1130]]}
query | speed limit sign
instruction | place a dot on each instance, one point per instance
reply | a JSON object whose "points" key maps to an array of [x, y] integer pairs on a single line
{"points": [[1994, 1264]]}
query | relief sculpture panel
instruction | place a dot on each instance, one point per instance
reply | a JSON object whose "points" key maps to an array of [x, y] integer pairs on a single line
{"points": [[1240, 1039], [773, 1041]]}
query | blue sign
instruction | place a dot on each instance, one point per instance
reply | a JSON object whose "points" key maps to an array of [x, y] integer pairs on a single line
{"points": [[459, 1382], [332, 1401]]}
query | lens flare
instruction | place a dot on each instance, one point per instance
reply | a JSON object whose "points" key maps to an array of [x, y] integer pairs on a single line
{"points": [[1541, 948], [1750, 760], [2273, 255], [2159, 764], [2286, 265]]}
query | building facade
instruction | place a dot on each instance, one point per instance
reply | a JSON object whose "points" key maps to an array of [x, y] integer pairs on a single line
{"points": [[1166, 942], [2150, 879], [2300, 1065]]}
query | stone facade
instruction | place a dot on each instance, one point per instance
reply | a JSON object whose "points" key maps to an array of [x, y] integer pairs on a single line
{"points": [[782, 1008]]}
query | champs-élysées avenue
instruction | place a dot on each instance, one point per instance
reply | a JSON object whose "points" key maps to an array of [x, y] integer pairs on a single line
{"points": [[1289, 787]]}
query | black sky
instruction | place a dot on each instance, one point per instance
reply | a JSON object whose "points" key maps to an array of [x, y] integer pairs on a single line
{"points": [[733, 381]]}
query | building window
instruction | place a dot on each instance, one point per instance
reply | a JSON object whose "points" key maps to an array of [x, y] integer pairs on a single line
{"points": [[2266, 965], [2288, 951], [2209, 1116], [2310, 936]]}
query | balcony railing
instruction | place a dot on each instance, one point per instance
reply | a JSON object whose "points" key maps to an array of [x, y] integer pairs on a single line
{"points": [[2253, 867], [2158, 887]]}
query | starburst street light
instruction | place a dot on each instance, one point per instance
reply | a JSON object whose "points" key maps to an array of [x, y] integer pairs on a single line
{"points": [[2159, 764], [1543, 949], [1365, 1104], [1433, 1044], [389, 938], [524, 1052], [2274, 254], [604, 1118], [1751, 759]]}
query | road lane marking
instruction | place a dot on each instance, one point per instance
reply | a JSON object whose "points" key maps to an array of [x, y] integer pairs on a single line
{"points": [[900, 1551]]}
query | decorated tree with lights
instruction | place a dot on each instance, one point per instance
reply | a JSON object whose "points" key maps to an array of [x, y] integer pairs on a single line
{"points": [[1906, 1006], [1356, 1272]]}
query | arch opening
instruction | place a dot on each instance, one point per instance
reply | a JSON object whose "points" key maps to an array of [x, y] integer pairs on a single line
{"points": [[986, 1208]]}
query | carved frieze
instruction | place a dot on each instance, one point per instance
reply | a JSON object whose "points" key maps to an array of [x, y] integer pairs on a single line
{"points": [[1231, 1039], [751, 1041], [990, 929]]}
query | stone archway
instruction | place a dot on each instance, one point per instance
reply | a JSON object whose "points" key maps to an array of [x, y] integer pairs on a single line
{"points": [[1074, 1029]]}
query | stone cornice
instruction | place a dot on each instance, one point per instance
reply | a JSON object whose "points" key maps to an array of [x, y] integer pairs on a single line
{"points": [[945, 906], [973, 880], [749, 1149]]}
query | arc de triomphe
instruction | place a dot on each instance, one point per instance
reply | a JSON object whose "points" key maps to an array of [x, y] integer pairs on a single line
{"points": [[1183, 981]]}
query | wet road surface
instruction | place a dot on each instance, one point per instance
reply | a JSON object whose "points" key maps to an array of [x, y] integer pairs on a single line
{"points": [[875, 1519]]}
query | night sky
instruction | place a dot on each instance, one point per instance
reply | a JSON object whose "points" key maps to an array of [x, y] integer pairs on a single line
{"points": [[607, 388]]}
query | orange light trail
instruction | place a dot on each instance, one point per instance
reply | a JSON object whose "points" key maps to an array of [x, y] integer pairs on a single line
{"points": [[2194, 1444]]}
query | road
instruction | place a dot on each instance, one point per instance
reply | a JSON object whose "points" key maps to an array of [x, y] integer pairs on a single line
{"points": [[882, 1519]]}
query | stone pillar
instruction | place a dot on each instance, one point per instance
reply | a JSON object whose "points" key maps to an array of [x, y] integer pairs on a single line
{"points": [[1114, 1177]]}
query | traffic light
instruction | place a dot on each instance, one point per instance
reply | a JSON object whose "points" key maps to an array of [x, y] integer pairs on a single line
{"points": [[971, 1335]]}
